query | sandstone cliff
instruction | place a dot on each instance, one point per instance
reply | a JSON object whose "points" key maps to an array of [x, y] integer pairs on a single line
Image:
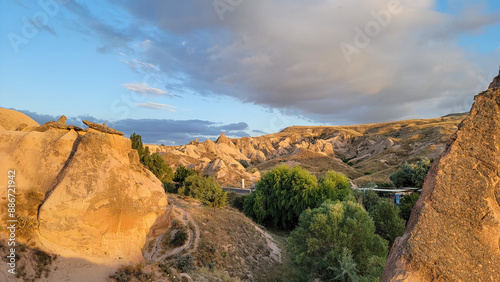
{"points": [[93, 197], [454, 230]]}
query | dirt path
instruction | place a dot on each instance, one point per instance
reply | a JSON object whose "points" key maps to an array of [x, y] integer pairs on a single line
{"points": [[157, 253]]}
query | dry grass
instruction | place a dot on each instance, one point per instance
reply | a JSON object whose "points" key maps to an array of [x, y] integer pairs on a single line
{"points": [[229, 242]]}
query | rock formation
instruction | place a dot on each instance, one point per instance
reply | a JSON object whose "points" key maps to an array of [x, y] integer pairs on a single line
{"points": [[454, 230], [97, 200], [365, 153], [496, 82], [11, 120], [102, 128]]}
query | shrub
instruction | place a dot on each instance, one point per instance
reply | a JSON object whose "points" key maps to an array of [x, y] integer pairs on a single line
{"points": [[284, 193], [181, 173], [180, 238], [206, 189], [236, 200], [337, 240], [170, 187], [184, 262], [244, 163]]}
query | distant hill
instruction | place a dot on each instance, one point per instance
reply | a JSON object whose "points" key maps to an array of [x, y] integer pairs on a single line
{"points": [[365, 153]]}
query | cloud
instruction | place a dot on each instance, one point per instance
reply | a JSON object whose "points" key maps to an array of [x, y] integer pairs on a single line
{"points": [[136, 65], [144, 88], [158, 131], [155, 106], [287, 55]]}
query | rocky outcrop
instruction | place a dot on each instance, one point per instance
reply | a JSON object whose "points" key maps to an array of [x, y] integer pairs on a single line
{"points": [[11, 120], [97, 200], [496, 82], [365, 153], [102, 128], [454, 230]]}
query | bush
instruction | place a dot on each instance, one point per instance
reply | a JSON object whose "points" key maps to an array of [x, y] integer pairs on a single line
{"points": [[181, 173], [411, 175], [180, 238], [244, 163], [184, 263], [406, 205], [236, 200], [206, 189], [284, 193], [170, 187], [126, 273], [337, 240]]}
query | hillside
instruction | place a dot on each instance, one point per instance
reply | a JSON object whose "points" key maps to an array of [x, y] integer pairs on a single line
{"points": [[86, 209], [365, 153]]}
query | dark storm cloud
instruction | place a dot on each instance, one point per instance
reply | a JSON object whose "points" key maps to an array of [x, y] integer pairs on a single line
{"points": [[287, 55], [158, 131]]}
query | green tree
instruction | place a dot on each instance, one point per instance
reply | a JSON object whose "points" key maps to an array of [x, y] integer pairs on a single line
{"points": [[337, 240], [181, 173], [137, 144], [334, 186], [206, 189], [411, 175], [406, 205], [155, 163], [370, 199], [284, 193], [388, 223], [214, 197]]}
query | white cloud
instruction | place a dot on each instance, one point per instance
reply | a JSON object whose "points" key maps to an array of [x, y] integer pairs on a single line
{"points": [[155, 106], [144, 88], [286, 54]]}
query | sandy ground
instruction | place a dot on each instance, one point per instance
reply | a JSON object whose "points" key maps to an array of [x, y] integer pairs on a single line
{"points": [[68, 269]]}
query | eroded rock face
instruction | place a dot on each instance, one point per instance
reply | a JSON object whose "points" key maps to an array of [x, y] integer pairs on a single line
{"points": [[496, 82], [454, 230], [98, 200], [102, 205]]}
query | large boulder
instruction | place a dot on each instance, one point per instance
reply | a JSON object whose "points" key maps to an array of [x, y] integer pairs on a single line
{"points": [[454, 230], [102, 205], [97, 200]]}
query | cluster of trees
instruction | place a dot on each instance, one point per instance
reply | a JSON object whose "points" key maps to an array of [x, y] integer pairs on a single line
{"points": [[334, 237], [337, 242], [411, 175], [337, 234], [189, 183], [284, 193], [204, 188], [154, 162]]}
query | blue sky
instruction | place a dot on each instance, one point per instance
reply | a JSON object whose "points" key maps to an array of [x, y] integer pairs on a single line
{"points": [[179, 70]]}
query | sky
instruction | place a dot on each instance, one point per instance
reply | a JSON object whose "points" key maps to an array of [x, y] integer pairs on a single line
{"points": [[177, 70]]}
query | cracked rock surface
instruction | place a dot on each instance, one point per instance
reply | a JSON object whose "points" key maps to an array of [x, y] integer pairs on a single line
{"points": [[454, 230]]}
